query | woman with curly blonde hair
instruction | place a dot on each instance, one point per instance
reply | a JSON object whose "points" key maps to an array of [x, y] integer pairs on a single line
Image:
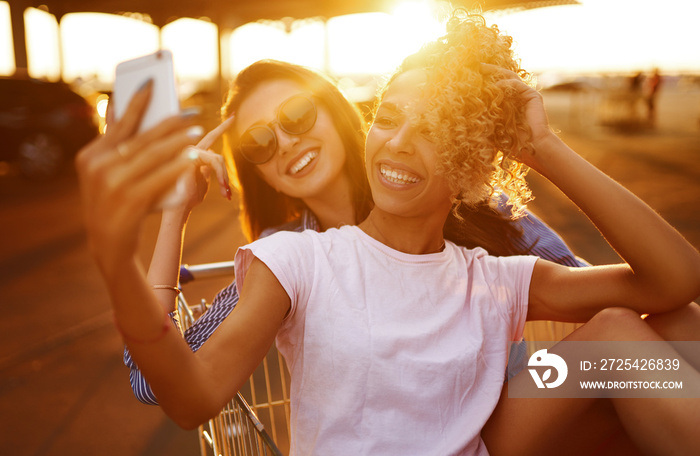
{"points": [[474, 123], [475, 111], [396, 338]]}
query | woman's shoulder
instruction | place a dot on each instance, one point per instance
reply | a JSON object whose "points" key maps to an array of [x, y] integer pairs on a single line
{"points": [[284, 237], [297, 240], [478, 255], [306, 221], [467, 252]]}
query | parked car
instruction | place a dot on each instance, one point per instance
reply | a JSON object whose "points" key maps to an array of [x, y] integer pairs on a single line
{"points": [[42, 125]]}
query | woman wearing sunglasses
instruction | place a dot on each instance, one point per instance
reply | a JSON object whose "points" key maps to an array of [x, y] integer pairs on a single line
{"points": [[296, 147]]}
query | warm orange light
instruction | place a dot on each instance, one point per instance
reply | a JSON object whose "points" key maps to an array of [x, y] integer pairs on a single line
{"points": [[7, 52], [594, 36], [418, 21], [370, 52], [607, 36], [41, 28], [306, 43], [101, 104], [194, 44], [266, 37], [93, 44], [302, 44], [390, 38]]}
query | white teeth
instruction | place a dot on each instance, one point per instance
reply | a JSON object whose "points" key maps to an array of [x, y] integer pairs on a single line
{"points": [[396, 177], [305, 160]]}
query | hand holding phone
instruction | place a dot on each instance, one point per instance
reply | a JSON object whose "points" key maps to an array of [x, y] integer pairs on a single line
{"points": [[130, 77]]}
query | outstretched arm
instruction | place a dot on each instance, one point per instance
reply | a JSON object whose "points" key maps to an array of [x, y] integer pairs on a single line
{"points": [[661, 270], [193, 387], [119, 187]]}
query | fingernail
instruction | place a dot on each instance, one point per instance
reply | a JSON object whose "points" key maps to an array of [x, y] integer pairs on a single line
{"points": [[190, 112], [145, 84], [195, 132], [228, 191], [191, 153]]}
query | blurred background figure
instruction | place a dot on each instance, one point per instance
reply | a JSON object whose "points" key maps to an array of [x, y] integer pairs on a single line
{"points": [[653, 83], [634, 96]]}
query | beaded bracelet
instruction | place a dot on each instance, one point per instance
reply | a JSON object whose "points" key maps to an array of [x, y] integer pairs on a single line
{"points": [[167, 324], [167, 287]]}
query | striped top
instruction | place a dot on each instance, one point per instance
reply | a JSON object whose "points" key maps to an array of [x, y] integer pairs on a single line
{"points": [[545, 244]]}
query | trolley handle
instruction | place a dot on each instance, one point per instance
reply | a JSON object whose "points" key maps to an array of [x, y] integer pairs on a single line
{"points": [[221, 430], [189, 273]]}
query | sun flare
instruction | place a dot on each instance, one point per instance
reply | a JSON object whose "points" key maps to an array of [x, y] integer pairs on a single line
{"points": [[613, 36]]}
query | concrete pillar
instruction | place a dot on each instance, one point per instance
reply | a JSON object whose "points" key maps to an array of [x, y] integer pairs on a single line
{"points": [[17, 8]]}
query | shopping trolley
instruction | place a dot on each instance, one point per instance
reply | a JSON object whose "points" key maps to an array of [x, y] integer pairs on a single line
{"points": [[256, 420]]}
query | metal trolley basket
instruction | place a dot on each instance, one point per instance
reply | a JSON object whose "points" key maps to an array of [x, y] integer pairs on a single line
{"points": [[256, 420]]}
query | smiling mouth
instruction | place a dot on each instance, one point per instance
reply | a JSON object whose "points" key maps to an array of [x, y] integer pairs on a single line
{"points": [[397, 177], [303, 161]]}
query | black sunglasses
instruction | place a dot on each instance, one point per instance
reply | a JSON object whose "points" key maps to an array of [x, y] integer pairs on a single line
{"points": [[296, 115]]}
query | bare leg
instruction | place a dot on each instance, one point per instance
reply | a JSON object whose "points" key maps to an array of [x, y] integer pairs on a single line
{"points": [[682, 324], [676, 414], [595, 426]]}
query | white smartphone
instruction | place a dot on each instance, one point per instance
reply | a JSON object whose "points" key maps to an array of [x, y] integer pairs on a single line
{"points": [[130, 77]]}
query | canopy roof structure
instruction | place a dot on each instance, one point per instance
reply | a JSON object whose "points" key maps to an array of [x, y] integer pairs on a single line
{"points": [[236, 12], [231, 13]]}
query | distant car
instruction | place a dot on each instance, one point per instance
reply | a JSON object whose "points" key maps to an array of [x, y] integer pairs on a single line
{"points": [[42, 125]]}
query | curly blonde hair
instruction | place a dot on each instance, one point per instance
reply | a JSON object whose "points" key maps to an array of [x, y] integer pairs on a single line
{"points": [[477, 124]]}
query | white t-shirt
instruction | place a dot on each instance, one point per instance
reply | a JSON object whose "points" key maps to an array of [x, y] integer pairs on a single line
{"points": [[392, 353]]}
